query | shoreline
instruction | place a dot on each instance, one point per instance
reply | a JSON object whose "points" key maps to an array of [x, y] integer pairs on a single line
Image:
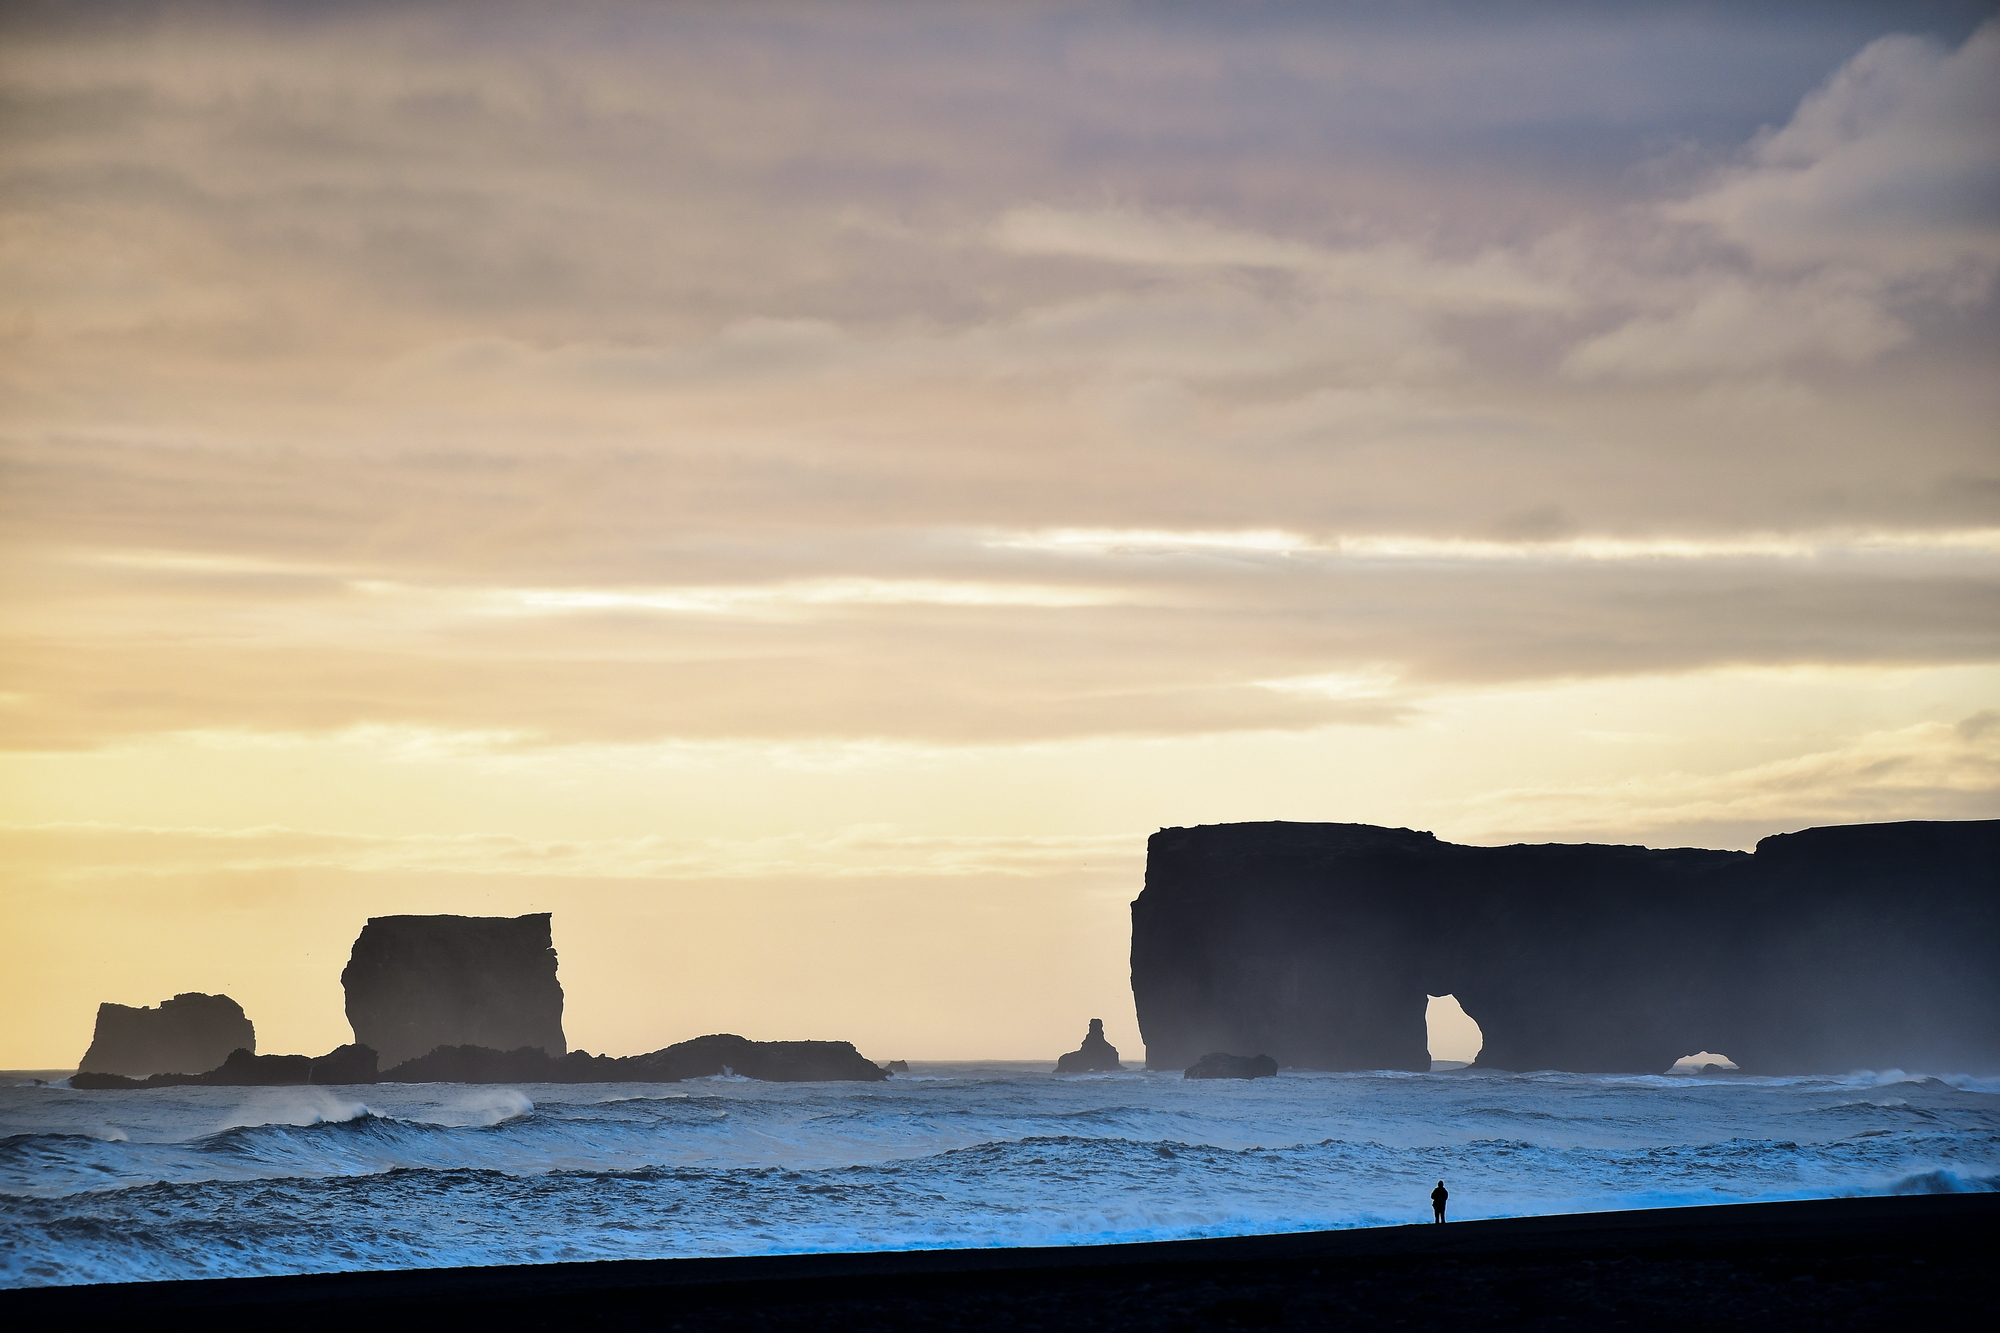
{"points": [[1854, 1262]]}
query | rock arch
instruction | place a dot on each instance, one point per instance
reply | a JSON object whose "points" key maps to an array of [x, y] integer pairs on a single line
{"points": [[1863, 946]]}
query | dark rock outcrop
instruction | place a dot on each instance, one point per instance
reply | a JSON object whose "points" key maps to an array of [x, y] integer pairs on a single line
{"points": [[343, 1064], [524, 1064], [244, 1070], [351, 1063], [415, 983], [1219, 1064], [185, 1035], [896, 1067], [1096, 1055], [83, 1078], [772, 1061], [1866, 946]]}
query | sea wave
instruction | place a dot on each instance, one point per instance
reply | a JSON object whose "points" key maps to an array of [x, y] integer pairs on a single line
{"points": [[196, 1182]]}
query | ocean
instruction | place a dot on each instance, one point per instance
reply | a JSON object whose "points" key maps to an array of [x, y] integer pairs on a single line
{"points": [[230, 1182]]}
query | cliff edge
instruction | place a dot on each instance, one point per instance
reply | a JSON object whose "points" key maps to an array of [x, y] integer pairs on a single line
{"points": [[1867, 946], [415, 983]]}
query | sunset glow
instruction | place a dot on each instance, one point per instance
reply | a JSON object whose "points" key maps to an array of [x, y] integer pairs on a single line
{"points": [[801, 492]]}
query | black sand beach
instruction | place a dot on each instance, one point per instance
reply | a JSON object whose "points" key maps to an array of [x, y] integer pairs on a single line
{"points": [[1919, 1261]]}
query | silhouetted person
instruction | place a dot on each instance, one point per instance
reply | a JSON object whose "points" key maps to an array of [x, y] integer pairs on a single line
{"points": [[1438, 1196]]}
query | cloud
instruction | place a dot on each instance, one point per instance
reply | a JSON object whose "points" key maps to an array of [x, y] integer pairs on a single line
{"points": [[81, 851], [1930, 770], [1392, 272], [971, 376], [1883, 190], [972, 637], [1527, 550], [1975, 726], [1731, 325], [1892, 168]]}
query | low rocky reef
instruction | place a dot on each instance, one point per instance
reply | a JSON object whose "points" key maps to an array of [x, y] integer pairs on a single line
{"points": [[1220, 1064], [703, 1057], [246, 1069], [1096, 1055]]}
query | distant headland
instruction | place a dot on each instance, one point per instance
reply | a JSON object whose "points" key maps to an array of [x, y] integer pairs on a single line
{"points": [[1868, 946]]}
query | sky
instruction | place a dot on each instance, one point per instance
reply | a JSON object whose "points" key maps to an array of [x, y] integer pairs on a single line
{"points": [[801, 492]]}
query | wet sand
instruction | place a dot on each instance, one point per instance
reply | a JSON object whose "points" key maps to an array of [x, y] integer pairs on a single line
{"points": [[1926, 1261]]}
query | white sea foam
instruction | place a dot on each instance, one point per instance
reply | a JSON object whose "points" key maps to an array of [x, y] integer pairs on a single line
{"points": [[290, 1106], [130, 1185]]}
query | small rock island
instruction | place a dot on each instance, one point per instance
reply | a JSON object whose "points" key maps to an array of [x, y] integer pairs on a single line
{"points": [[1096, 1055], [185, 1035], [415, 983]]}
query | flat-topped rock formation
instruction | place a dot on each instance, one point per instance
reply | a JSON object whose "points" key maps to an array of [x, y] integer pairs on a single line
{"points": [[1867, 946], [415, 983], [185, 1035], [1096, 1055]]}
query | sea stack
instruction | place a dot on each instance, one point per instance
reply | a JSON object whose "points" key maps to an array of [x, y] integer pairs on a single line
{"points": [[415, 983], [1869, 946], [1096, 1055], [186, 1035]]}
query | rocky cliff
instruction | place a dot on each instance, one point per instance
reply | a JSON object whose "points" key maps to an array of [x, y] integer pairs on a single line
{"points": [[1866, 946], [415, 983], [185, 1035]]}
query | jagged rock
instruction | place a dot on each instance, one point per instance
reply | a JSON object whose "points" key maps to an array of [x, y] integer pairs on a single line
{"points": [[773, 1061], [1217, 1064], [1094, 1056], [896, 1067], [185, 1035], [1871, 946], [415, 983]]}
